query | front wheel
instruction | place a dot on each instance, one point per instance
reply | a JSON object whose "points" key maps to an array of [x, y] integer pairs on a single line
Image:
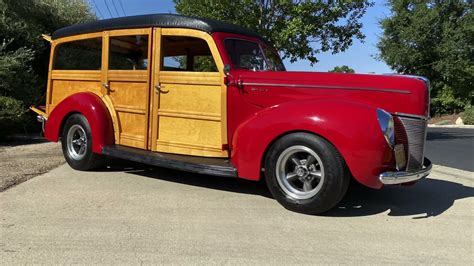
{"points": [[76, 142], [305, 173]]}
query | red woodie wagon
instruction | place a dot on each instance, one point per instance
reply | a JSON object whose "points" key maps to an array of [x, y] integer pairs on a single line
{"points": [[214, 98]]}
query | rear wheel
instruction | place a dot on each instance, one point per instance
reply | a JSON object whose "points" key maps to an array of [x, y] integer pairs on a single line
{"points": [[76, 142], [305, 173]]}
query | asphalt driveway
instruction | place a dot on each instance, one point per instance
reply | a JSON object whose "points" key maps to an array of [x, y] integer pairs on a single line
{"points": [[135, 214], [453, 147]]}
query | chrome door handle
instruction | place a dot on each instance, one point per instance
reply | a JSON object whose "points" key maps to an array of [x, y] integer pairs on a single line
{"points": [[107, 86], [158, 88]]}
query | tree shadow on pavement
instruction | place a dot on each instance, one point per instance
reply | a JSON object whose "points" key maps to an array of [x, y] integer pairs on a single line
{"points": [[22, 140], [440, 135], [427, 198]]}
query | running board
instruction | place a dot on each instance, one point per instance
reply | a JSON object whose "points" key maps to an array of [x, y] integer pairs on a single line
{"points": [[201, 165]]}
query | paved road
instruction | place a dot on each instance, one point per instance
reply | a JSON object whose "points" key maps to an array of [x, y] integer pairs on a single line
{"points": [[136, 214], [453, 147]]}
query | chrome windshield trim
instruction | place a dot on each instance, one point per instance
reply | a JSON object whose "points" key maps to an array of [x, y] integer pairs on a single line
{"points": [[322, 87], [425, 79], [421, 117]]}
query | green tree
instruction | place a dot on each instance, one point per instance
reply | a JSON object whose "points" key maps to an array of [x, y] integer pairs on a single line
{"points": [[298, 29], [342, 69], [24, 55], [433, 39]]}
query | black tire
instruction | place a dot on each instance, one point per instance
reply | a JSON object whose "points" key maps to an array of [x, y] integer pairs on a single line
{"points": [[80, 159], [329, 188]]}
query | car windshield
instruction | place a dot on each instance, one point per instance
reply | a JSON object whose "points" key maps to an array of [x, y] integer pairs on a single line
{"points": [[250, 55]]}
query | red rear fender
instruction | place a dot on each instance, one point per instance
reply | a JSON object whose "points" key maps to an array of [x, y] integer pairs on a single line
{"points": [[96, 113], [351, 127]]}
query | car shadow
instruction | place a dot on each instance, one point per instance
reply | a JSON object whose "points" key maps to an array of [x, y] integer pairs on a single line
{"points": [[427, 198], [236, 185]]}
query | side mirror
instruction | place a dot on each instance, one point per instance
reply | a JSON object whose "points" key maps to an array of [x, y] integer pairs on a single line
{"points": [[229, 79], [227, 69]]}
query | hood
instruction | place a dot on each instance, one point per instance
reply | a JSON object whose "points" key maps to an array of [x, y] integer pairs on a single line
{"points": [[393, 93]]}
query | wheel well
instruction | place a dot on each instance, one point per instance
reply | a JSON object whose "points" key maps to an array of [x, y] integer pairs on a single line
{"points": [[262, 161]]}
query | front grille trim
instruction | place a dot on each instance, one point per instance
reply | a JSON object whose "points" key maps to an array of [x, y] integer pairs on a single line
{"points": [[415, 130]]}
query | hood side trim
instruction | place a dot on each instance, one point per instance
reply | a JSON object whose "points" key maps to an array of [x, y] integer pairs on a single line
{"points": [[323, 87]]}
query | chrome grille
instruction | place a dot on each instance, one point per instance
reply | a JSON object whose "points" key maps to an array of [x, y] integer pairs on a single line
{"points": [[413, 136]]}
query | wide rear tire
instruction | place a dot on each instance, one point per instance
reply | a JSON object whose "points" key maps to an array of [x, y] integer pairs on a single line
{"points": [[76, 142], [305, 173]]}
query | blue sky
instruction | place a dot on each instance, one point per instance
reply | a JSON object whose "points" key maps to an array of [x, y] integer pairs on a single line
{"points": [[359, 56]]}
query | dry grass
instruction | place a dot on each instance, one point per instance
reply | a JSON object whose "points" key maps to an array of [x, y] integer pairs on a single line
{"points": [[445, 119]]}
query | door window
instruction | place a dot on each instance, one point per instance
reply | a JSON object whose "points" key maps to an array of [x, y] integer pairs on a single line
{"points": [[186, 54], [128, 52]]}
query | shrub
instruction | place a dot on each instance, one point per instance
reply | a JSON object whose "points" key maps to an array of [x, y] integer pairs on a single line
{"points": [[12, 116], [16, 73], [468, 116], [24, 55], [446, 103]]}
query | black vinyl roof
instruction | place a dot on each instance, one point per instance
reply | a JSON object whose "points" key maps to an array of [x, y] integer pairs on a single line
{"points": [[154, 20]]}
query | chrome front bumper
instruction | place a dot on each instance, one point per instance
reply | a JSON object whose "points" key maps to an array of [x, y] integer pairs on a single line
{"points": [[400, 177]]}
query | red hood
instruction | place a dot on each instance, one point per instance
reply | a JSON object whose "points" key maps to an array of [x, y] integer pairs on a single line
{"points": [[394, 93]]}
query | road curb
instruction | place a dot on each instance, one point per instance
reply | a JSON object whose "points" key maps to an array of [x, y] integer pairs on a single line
{"points": [[457, 173], [450, 126]]}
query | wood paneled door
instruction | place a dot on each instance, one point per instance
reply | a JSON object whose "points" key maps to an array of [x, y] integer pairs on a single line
{"points": [[127, 83], [189, 103]]}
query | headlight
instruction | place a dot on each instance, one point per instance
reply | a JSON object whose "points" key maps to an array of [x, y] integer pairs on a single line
{"points": [[387, 126]]}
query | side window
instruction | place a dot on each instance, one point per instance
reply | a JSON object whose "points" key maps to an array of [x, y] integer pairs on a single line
{"points": [[128, 52], [186, 54], [245, 54], [79, 55]]}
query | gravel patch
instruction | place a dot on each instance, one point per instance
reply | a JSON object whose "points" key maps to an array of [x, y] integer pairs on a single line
{"points": [[22, 162]]}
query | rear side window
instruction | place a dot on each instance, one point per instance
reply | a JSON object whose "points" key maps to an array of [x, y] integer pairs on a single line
{"points": [[79, 55], [129, 52]]}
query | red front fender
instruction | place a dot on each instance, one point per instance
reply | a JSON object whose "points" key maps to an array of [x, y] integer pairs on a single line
{"points": [[96, 113], [351, 127]]}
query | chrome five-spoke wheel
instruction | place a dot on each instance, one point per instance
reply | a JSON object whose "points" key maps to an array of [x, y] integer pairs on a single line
{"points": [[305, 173], [76, 142], [300, 172]]}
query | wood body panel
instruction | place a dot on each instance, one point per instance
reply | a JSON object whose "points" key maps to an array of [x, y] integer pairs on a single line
{"points": [[154, 95], [190, 119], [188, 98], [64, 88], [80, 75], [199, 136], [128, 93], [64, 83]]}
